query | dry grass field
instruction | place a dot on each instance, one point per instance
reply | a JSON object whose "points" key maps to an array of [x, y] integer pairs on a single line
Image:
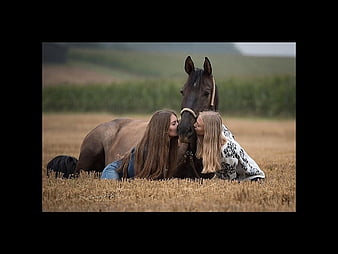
{"points": [[271, 143]]}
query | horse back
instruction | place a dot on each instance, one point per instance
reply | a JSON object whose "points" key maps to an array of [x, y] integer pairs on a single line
{"points": [[123, 135]]}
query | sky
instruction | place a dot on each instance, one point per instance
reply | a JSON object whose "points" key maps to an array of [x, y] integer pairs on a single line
{"points": [[287, 49], [267, 48]]}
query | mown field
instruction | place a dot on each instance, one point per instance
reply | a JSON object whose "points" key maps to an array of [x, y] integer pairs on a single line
{"points": [[270, 142]]}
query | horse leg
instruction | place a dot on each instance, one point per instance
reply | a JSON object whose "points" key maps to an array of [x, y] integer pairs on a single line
{"points": [[92, 156], [90, 161]]}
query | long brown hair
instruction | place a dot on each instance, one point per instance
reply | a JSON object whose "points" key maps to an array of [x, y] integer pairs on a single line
{"points": [[209, 145], [156, 153]]}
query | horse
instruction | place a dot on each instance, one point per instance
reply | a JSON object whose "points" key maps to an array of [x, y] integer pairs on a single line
{"points": [[199, 93], [109, 141]]}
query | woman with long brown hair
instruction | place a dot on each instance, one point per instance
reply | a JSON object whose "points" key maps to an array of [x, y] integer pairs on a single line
{"points": [[155, 156], [220, 152]]}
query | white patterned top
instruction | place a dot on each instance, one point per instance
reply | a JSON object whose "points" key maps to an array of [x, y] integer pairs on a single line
{"points": [[236, 164]]}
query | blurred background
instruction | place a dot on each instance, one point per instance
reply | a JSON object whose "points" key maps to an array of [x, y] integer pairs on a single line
{"points": [[254, 79]]}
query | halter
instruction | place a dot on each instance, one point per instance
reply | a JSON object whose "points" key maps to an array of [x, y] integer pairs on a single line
{"points": [[212, 103], [213, 92], [190, 111]]}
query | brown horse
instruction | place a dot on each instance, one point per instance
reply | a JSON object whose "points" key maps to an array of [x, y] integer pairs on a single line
{"points": [[199, 94], [111, 140]]}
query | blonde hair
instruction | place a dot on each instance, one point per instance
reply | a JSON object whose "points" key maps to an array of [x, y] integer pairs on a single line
{"points": [[209, 145], [156, 153]]}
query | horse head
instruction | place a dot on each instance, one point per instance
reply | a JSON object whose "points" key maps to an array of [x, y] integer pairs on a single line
{"points": [[199, 94]]}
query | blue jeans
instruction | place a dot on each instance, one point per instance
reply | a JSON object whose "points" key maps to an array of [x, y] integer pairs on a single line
{"points": [[109, 172]]}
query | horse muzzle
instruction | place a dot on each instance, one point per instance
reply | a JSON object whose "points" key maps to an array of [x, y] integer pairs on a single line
{"points": [[186, 135], [184, 139]]}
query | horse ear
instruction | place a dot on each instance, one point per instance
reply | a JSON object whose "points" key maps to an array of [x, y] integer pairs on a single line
{"points": [[189, 65], [207, 66]]}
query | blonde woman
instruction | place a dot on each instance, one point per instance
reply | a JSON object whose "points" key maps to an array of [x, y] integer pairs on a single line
{"points": [[220, 152], [155, 156]]}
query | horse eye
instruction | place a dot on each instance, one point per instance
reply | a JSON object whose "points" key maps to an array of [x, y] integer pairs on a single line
{"points": [[206, 93]]}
